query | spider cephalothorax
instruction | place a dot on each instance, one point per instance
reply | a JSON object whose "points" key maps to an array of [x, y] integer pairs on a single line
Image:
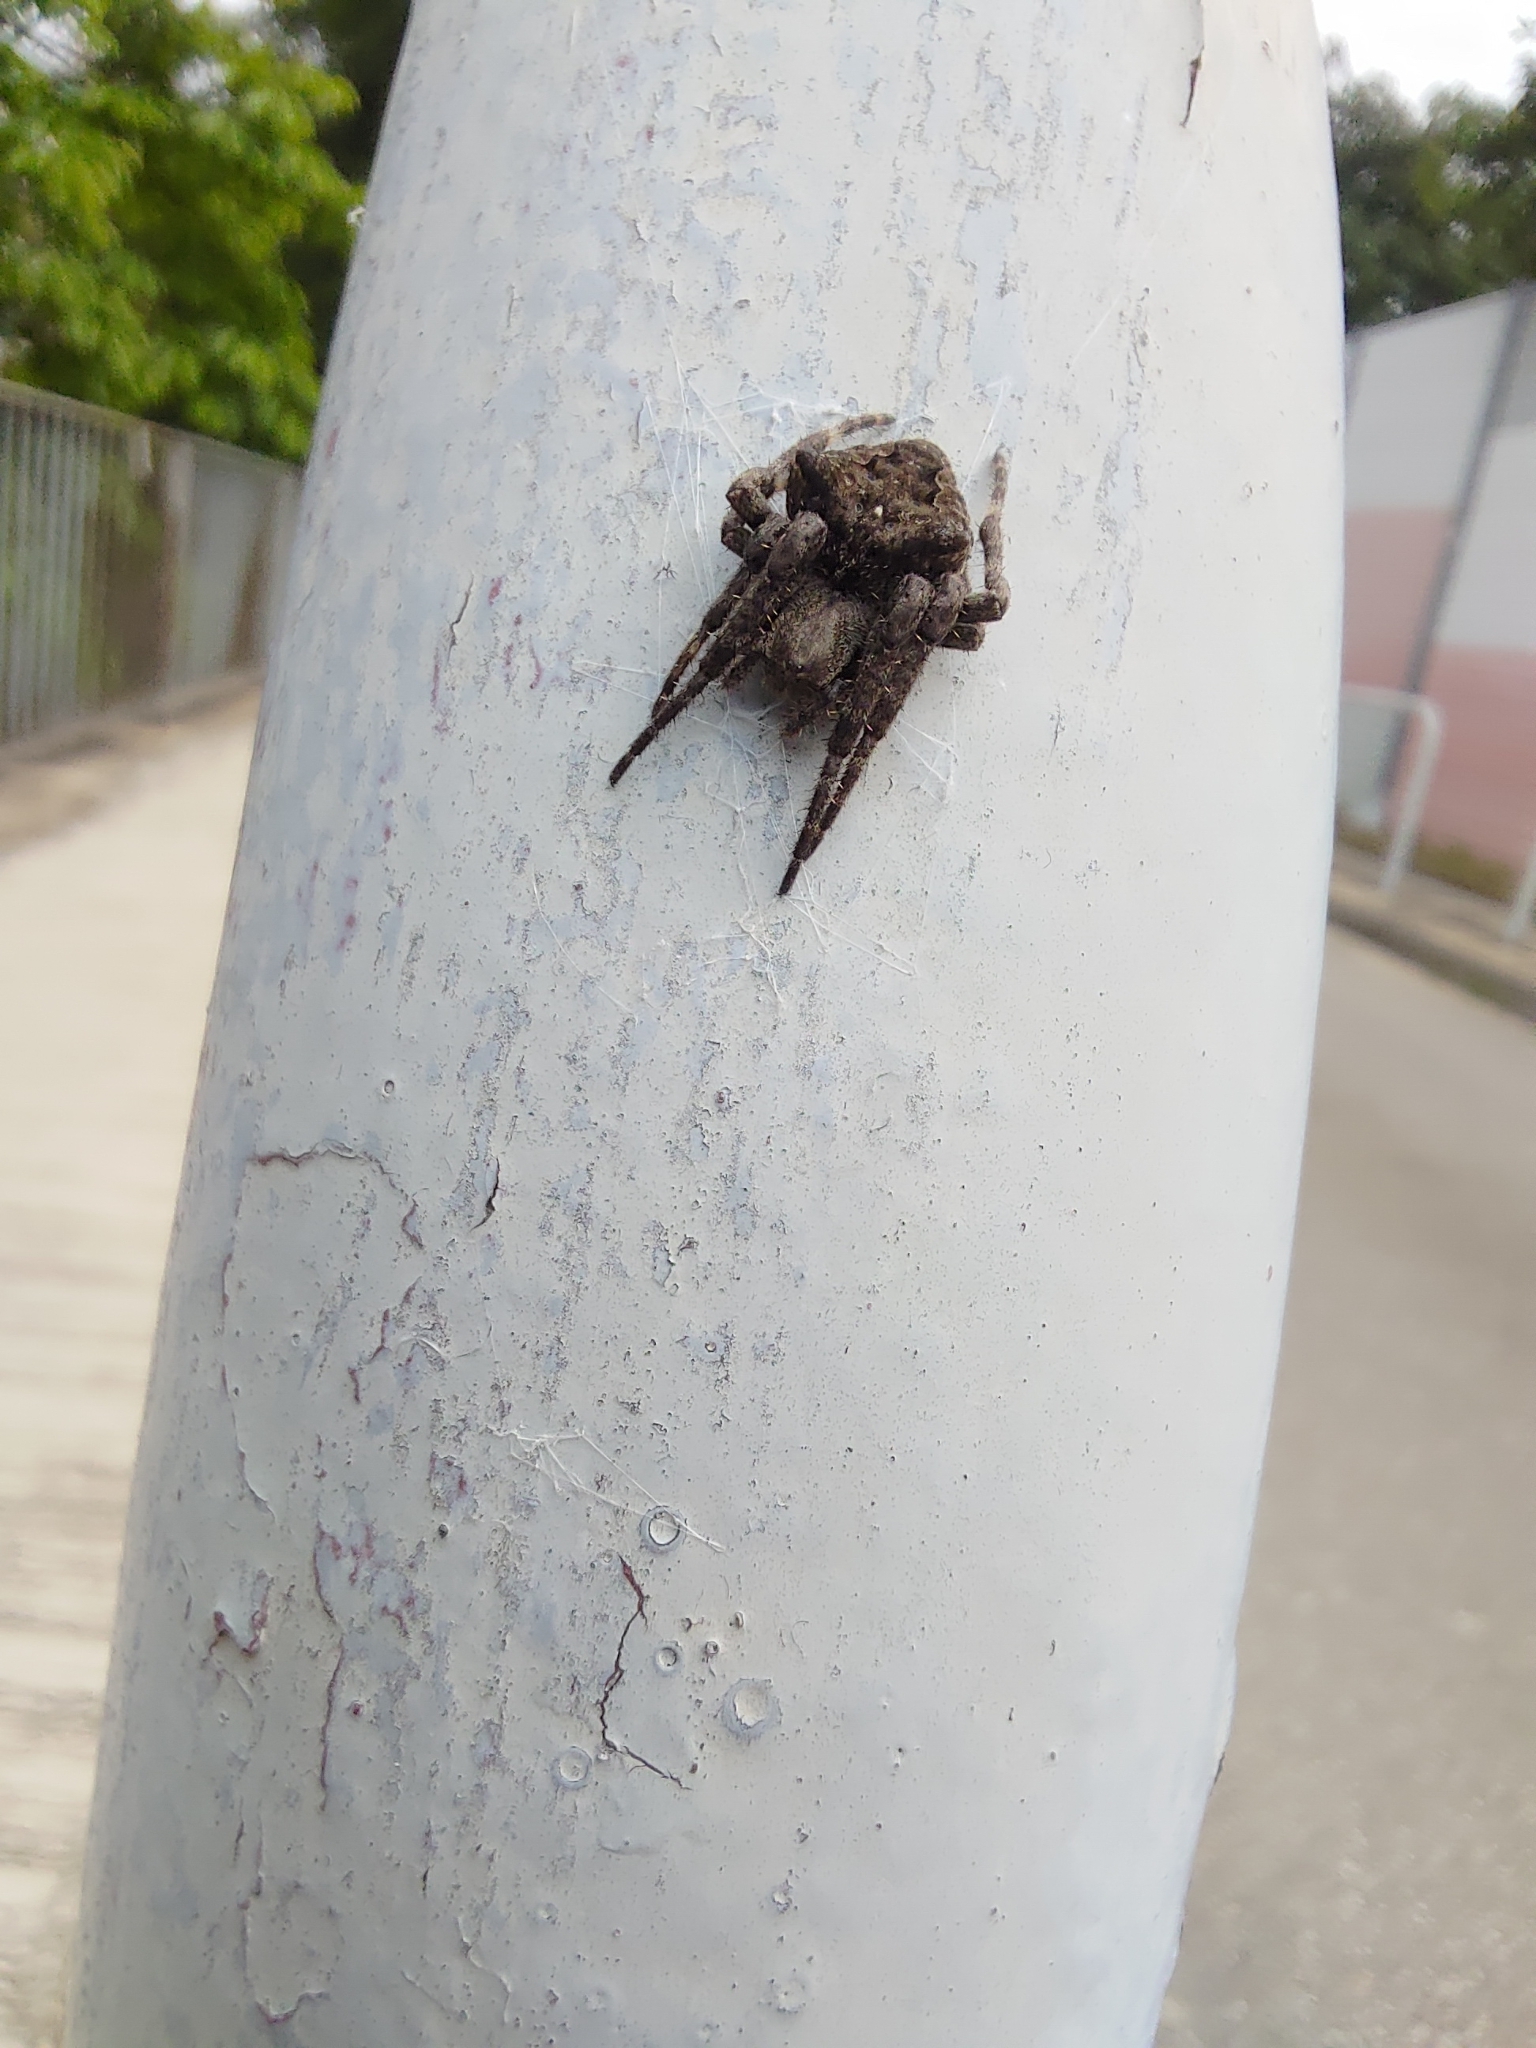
{"points": [[842, 596]]}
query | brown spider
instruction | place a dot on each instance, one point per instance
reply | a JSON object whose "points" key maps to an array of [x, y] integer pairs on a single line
{"points": [[842, 596]]}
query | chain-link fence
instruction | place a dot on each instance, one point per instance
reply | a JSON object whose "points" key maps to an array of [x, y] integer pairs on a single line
{"points": [[132, 557]]}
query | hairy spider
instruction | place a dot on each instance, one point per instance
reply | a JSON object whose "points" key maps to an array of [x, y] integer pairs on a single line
{"points": [[841, 597]]}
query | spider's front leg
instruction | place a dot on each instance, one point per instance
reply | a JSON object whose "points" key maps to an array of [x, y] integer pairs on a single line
{"points": [[716, 616], [797, 546], [754, 544], [882, 683], [809, 444], [751, 495], [982, 607], [751, 529]]}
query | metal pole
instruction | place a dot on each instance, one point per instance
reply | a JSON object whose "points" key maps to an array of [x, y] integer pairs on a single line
{"points": [[702, 1448], [1517, 925], [1430, 720], [1410, 815]]}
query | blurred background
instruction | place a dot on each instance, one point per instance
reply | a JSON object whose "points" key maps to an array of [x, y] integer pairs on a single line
{"points": [[179, 189]]}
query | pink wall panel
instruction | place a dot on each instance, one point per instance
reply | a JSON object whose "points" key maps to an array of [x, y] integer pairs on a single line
{"points": [[1391, 558], [1484, 791]]}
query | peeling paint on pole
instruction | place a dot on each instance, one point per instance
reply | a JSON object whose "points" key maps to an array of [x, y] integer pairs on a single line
{"points": [[702, 1448]]}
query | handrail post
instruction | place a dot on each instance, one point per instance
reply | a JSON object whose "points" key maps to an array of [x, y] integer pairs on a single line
{"points": [[1430, 720], [1517, 925]]}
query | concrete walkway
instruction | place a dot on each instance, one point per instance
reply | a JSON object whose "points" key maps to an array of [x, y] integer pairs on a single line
{"points": [[1455, 933], [1367, 1877], [1369, 1866], [108, 930]]}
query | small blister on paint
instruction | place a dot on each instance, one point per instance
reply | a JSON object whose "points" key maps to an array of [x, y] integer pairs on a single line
{"points": [[750, 1708], [661, 1530], [788, 1994]]}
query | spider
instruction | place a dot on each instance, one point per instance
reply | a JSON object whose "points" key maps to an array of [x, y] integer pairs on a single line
{"points": [[841, 597]]}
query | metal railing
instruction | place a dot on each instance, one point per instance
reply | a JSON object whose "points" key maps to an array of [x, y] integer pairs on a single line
{"points": [[1517, 925], [132, 557], [1371, 728]]}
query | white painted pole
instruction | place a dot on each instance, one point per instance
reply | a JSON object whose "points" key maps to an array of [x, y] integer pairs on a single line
{"points": [[702, 1450]]}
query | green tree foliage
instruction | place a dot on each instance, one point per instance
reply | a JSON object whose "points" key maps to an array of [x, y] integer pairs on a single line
{"points": [[1433, 207], [175, 193], [1503, 165], [158, 168], [361, 40]]}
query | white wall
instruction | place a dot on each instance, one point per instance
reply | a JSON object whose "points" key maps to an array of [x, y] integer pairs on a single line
{"points": [[1492, 599], [1419, 393]]}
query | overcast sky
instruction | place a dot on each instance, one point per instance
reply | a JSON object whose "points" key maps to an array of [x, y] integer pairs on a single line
{"points": [[1424, 43], [1421, 43]]}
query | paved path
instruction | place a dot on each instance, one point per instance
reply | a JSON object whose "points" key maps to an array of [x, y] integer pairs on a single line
{"points": [[1369, 1867], [1367, 1878], [1459, 935], [107, 934]]}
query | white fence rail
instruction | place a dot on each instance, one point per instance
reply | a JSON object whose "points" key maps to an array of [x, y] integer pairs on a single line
{"points": [[1517, 925], [132, 557], [1372, 725]]}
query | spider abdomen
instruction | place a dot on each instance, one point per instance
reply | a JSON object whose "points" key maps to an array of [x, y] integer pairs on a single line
{"points": [[815, 637]]}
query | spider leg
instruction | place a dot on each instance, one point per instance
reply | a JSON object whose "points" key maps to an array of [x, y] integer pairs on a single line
{"points": [[749, 495], [989, 603], [854, 738], [752, 526], [940, 617], [775, 551], [716, 616], [796, 548], [676, 705], [756, 546], [881, 684], [841, 430], [966, 637]]}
